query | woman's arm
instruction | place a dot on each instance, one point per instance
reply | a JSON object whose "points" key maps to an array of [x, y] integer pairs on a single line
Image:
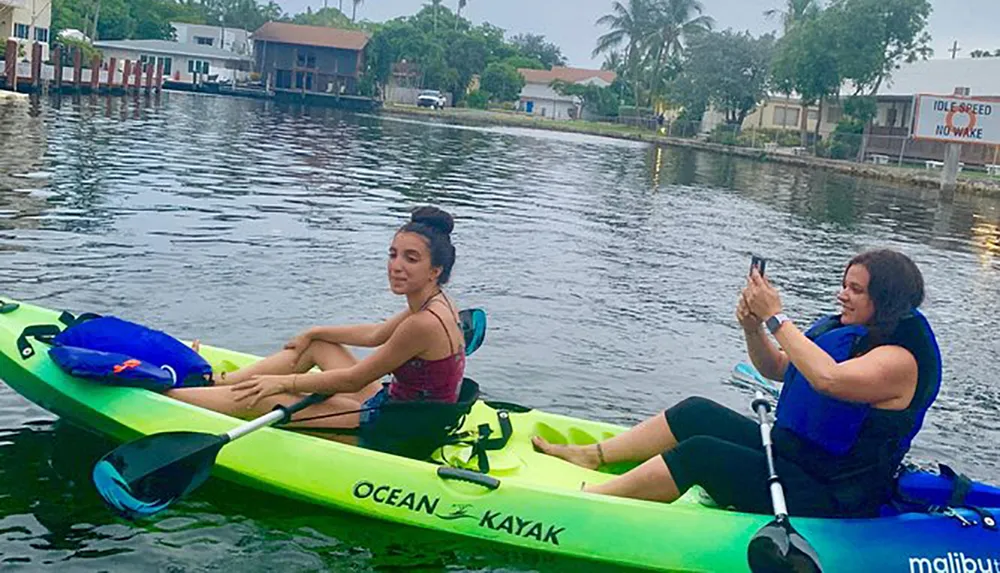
{"points": [[363, 335], [768, 359], [886, 373], [408, 340]]}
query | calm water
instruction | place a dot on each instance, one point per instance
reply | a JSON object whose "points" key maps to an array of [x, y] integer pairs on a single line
{"points": [[610, 271]]}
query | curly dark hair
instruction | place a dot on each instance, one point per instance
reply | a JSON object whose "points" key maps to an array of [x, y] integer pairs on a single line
{"points": [[896, 288]]}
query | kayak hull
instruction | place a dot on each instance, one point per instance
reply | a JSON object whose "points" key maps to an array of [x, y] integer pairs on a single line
{"points": [[537, 506]]}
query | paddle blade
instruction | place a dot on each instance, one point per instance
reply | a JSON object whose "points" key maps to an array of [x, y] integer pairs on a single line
{"points": [[141, 478], [473, 328], [778, 548]]}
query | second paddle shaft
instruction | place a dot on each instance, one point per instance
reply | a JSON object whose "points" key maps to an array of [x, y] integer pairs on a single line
{"points": [[281, 414], [763, 407]]}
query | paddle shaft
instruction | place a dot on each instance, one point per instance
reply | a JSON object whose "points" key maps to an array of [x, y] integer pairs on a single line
{"points": [[762, 407], [280, 414]]}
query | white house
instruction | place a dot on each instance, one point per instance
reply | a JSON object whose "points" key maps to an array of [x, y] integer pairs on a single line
{"points": [[538, 97], [231, 39], [180, 61], [26, 21]]}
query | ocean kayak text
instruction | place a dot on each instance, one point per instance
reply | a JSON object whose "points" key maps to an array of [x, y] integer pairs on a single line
{"points": [[493, 520]]}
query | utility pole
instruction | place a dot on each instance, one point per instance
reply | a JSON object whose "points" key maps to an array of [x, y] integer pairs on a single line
{"points": [[955, 50]]}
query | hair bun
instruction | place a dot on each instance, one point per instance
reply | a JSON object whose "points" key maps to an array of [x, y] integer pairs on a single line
{"points": [[434, 218]]}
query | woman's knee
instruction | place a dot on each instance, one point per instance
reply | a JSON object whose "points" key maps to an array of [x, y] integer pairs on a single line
{"points": [[328, 355], [686, 413]]}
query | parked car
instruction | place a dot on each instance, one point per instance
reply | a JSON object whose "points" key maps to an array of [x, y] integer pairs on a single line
{"points": [[432, 99]]}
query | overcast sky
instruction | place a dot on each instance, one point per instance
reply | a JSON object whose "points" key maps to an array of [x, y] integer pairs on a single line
{"points": [[570, 23]]}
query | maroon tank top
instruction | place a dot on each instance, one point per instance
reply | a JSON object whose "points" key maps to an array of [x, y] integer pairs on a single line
{"points": [[429, 380]]}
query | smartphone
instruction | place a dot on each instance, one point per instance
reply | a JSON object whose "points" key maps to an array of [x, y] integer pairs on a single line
{"points": [[759, 262]]}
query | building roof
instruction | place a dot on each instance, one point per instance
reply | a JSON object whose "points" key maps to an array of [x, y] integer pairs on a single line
{"points": [[320, 36], [570, 75], [941, 77], [171, 48]]}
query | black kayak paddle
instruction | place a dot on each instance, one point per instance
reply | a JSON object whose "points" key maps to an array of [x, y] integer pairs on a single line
{"points": [[778, 547], [144, 477]]}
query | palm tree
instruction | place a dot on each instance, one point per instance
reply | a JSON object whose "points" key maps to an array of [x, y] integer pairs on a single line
{"points": [[674, 22], [613, 61], [629, 25], [354, 12], [795, 11]]}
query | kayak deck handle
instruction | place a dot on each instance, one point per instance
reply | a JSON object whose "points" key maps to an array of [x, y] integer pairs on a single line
{"points": [[469, 476]]}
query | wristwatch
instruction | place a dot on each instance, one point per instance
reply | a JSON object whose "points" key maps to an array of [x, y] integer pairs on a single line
{"points": [[775, 322]]}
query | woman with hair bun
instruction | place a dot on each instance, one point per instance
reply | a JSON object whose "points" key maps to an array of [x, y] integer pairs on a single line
{"points": [[422, 347]]}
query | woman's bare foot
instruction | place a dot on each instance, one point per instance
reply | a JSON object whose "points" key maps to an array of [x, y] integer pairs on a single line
{"points": [[196, 346], [583, 456]]}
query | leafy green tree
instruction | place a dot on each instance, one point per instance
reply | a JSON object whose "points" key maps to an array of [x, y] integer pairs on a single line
{"points": [[794, 12], [807, 63], [328, 17], [534, 46], [731, 71], [503, 82], [600, 101], [524, 62], [478, 99], [876, 36]]}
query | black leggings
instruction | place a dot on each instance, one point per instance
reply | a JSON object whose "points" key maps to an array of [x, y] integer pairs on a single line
{"points": [[721, 451]]}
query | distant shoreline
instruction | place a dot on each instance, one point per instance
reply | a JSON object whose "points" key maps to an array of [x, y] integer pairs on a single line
{"points": [[910, 177]]}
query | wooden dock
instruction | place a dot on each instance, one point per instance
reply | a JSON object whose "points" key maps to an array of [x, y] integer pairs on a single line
{"points": [[34, 76], [103, 77]]}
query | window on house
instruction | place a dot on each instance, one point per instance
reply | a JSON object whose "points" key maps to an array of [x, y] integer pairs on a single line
{"points": [[834, 114], [891, 119], [197, 67], [166, 65], [42, 34], [786, 116], [306, 60], [21, 31], [813, 115], [203, 41]]}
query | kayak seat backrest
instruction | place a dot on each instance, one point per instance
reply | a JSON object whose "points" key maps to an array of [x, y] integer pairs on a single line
{"points": [[918, 490], [416, 429]]}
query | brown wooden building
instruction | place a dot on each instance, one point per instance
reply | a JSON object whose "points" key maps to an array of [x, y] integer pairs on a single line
{"points": [[309, 58]]}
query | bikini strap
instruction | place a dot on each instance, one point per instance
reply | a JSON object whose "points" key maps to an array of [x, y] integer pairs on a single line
{"points": [[448, 334]]}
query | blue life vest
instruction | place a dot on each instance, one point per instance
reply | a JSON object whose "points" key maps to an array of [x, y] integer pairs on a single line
{"points": [[835, 425], [122, 353]]}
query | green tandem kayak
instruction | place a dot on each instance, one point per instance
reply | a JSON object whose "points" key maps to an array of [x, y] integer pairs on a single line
{"points": [[537, 504]]}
